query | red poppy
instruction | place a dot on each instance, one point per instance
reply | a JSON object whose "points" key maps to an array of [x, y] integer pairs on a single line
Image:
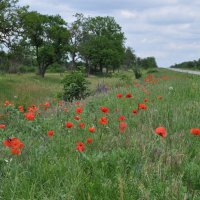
{"points": [[134, 111], [29, 116], [104, 109], [122, 126], [145, 100], [159, 97], [128, 96], [21, 108], [47, 104], [77, 103], [69, 125], [142, 106], [15, 151], [92, 129], [2, 126], [14, 144], [103, 120], [89, 140], [50, 133], [119, 95], [161, 131], [65, 110], [77, 117], [79, 110], [6, 103], [195, 131], [80, 146], [121, 118], [81, 125]]}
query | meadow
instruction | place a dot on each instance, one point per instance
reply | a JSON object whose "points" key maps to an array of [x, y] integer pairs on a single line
{"points": [[140, 140]]}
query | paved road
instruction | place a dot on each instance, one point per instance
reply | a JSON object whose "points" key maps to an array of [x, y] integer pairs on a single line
{"points": [[185, 71]]}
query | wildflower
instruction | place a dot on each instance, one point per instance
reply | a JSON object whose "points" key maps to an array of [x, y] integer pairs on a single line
{"points": [[29, 116], [77, 117], [122, 126], [69, 125], [161, 131], [79, 110], [81, 125], [159, 97], [142, 106], [21, 108], [103, 120], [80, 147], [195, 131], [50, 133], [15, 151], [128, 96], [134, 111], [6, 103], [89, 140], [119, 95], [91, 129], [2, 126], [145, 100], [104, 109], [121, 118]]}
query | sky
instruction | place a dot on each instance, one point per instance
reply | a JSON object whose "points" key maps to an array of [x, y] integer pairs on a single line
{"points": [[169, 30]]}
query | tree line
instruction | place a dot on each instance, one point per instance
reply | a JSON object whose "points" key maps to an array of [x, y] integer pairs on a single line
{"points": [[29, 38], [195, 64]]}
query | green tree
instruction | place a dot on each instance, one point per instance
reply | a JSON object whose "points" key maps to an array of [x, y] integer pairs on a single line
{"points": [[149, 62], [102, 44], [10, 27], [48, 36], [129, 58]]}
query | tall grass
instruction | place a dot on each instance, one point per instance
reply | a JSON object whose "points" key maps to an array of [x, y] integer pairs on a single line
{"points": [[135, 164]]}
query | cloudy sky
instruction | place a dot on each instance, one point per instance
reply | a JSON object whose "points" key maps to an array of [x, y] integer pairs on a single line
{"points": [[169, 30]]}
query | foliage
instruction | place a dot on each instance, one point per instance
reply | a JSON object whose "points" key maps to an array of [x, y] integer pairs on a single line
{"points": [[188, 65], [102, 44], [146, 63], [48, 36], [129, 58], [75, 86]]}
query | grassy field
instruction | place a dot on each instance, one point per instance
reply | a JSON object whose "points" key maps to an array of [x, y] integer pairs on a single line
{"points": [[116, 155]]}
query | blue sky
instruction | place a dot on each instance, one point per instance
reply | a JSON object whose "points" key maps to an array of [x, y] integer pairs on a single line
{"points": [[169, 30]]}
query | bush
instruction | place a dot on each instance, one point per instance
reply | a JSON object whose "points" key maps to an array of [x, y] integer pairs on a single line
{"points": [[137, 73], [56, 68], [27, 69], [75, 86]]}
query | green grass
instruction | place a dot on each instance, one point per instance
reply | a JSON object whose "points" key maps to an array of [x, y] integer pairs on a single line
{"points": [[136, 164]]}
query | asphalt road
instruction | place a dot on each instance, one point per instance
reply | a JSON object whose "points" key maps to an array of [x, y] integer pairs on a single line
{"points": [[185, 71]]}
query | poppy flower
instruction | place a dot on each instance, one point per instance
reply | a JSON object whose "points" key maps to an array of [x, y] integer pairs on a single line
{"points": [[195, 131], [91, 129], [122, 126], [119, 95], [65, 110], [103, 120], [104, 109], [69, 125], [2, 126], [81, 125], [121, 118], [142, 106], [89, 140], [21, 108], [80, 147], [128, 96], [50, 133], [134, 111], [159, 97], [79, 110], [47, 104], [161, 131], [145, 100], [77, 117], [6, 103], [15, 151], [29, 116]]}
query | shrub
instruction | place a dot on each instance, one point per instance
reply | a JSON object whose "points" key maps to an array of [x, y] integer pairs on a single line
{"points": [[75, 86], [137, 73]]}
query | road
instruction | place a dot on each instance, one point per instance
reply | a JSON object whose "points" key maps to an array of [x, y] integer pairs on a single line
{"points": [[185, 71]]}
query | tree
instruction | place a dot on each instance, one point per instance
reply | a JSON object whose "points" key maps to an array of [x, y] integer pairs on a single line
{"points": [[76, 32], [10, 28], [102, 44], [49, 37], [129, 58], [149, 62]]}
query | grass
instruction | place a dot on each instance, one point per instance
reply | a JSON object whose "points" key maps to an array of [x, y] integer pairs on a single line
{"points": [[134, 164]]}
